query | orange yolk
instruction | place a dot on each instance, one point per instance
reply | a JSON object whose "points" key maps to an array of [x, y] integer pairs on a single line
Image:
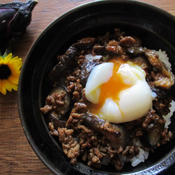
{"points": [[110, 89]]}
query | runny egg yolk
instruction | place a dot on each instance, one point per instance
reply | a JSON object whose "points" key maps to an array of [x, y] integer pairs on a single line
{"points": [[111, 88]]}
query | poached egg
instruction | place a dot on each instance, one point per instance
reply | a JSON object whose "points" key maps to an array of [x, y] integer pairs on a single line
{"points": [[118, 91]]}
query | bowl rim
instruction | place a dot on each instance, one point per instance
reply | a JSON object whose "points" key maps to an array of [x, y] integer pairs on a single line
{"points": [[47, 163]]}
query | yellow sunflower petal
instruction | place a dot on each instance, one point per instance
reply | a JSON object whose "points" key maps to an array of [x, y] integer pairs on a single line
{"points": [[8, 57], [0, 85], [14, 69], [1, 61], [11, 82], [6, 85], [14, 79], [10, 86], [3, 89]]}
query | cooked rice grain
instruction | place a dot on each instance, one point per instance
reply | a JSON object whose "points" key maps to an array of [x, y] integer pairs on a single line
{"points": [[170, 114]]}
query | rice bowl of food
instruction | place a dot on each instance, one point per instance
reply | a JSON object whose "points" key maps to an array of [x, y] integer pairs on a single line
{"points": [[101, 101]]}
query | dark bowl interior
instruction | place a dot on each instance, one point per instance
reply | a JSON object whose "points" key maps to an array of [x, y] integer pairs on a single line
{"points": [[155, 27]]}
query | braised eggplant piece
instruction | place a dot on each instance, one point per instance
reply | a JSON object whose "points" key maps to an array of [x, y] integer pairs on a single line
{"points": [[58, 123], [14, 18], [163, 82], [64, 62], [114, 133], [89, 63], [154, 135], [153, 59], [154, 125], [164, 79]]}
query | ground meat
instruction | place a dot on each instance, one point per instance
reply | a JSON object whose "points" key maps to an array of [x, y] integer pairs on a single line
{"points": [[152, 118], [77, 112], [46, 109], [80, 107], [52, 129], [69, 144], [161, 102], [129, 41], [74, 86], [84, 136], [114, 48], [130, 151], [94, 158], [165, 137], [57, 102], [154, 126]]}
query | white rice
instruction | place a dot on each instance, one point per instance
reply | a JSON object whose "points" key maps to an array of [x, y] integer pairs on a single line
{"points": [[168, 116], [143, 155], [164, 58]]}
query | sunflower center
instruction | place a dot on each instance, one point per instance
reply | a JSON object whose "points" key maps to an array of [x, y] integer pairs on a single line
{"points": [[5, 72]]}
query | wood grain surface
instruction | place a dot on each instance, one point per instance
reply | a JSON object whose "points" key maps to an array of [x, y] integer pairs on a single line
{"points": [[16, 155]]}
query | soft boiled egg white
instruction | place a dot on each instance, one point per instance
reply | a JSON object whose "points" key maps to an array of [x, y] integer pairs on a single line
{"points": [[118, 91]]}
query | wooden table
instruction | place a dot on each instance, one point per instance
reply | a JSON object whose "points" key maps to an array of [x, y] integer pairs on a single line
{"points": [[16, 155]]}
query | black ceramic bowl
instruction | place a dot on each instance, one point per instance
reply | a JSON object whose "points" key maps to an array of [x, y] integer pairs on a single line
{"points": [[155, 27]]}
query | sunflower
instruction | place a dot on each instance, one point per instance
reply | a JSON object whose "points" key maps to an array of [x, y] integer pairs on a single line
{"points": [[9, 72]]}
